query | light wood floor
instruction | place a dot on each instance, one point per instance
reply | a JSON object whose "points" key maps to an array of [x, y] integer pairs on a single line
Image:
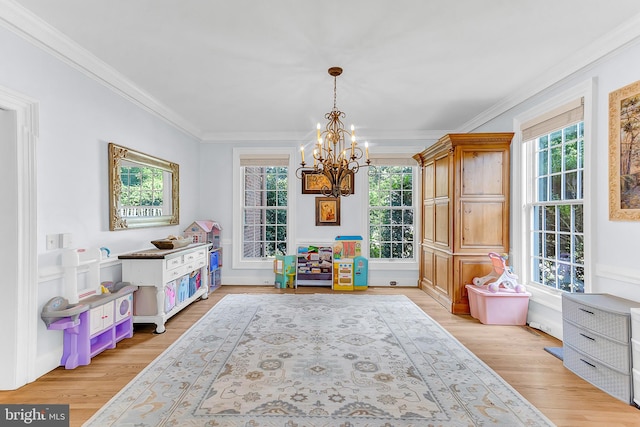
{"points": [[515, 352]]}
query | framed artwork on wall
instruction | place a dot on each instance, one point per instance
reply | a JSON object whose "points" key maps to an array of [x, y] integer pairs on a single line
{"points": [[313, 183], [624, 153], [327, 211]]}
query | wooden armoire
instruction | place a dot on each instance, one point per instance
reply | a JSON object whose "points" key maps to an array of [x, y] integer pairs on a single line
{"points": [[465, 212]]}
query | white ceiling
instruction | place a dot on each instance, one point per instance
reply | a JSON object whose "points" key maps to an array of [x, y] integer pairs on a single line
{"points": [[250, 69]]}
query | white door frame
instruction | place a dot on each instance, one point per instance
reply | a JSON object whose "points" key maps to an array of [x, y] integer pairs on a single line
{"points": [[21, 344]]}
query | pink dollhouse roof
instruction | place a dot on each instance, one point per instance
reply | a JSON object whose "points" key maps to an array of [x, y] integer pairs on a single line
{"points": [[205, 225]]}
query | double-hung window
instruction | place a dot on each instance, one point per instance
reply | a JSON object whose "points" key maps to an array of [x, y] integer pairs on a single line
{"points": [[392, 210], [261, 206], [555, 176]]}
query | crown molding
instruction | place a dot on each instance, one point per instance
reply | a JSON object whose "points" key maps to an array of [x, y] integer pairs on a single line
{"points": [[365, 135], [625, 34], [41, 34]]}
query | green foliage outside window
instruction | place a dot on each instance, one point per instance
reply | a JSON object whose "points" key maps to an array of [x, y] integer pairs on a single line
{"points": [[391, 212], [141, 186], [557, 216]]}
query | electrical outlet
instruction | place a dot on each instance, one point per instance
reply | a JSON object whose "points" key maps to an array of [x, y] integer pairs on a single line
{"points": [[53, 241], [392, 283]]}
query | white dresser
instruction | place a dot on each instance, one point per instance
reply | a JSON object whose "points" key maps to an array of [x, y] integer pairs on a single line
{"points": [[161, 275], [597, 341]]}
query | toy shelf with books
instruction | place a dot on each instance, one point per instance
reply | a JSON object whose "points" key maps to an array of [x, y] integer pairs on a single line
{"points": [[314, 265]]}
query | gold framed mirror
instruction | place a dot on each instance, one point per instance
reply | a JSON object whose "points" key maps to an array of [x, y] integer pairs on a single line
{"points": [[144, 190]]}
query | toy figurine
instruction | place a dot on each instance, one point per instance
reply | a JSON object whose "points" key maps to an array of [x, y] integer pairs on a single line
{"points": [[501, 273]]}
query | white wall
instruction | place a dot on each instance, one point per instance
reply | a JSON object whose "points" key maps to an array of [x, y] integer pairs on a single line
{"points": [[216, 162], [78, 117], [615, 265]]}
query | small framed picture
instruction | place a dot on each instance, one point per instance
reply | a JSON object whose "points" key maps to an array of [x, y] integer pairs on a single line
{"points": [[313, 183], [327, 211]]}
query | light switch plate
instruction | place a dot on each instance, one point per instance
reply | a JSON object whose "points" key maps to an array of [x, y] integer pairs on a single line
{"points": [[65, 241]]}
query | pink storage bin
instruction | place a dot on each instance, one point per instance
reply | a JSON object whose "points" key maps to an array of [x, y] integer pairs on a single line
{"points": [[505, 307]]}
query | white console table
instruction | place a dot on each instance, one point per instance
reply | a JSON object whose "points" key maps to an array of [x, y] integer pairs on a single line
{"points": [[154, 270]]}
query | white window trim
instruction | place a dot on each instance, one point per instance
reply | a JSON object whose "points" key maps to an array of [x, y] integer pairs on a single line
{"points": [[521, 189], [237, 261], [401, 153]]}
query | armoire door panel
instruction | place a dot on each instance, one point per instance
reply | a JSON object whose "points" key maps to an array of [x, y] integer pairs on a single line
{"points": [[442, 223], [482, 173], [443, 274], [428, 180], [482, 225], [428, 222], [441, 177], [427, 268]]}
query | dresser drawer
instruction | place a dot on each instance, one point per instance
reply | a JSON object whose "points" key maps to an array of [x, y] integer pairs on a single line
{"points": [[611, 324], [199, 263], [611, 353], [175, 273], [173, 263], [192, 256], [609, 380]]}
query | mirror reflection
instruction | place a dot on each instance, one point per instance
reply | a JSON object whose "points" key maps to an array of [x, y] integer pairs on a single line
{"points": [[144, 190]]}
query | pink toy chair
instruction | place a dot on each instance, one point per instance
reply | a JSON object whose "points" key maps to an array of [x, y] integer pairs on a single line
{"points": [[502, 275]]}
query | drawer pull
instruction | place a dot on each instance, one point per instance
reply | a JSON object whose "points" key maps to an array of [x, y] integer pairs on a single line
{"points": [[586, 311], [588, 337], [590, 364]]}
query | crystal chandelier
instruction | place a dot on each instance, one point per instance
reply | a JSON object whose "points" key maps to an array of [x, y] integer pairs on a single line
{"points": [[333, 157]]}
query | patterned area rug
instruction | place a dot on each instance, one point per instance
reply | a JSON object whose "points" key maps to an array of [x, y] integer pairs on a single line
{"points": [[317, 360]]}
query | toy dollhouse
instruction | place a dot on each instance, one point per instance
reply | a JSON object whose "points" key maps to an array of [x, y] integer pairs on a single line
{"points": [[204, 231]]}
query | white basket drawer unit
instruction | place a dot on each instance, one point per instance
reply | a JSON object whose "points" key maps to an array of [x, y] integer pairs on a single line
{"points": [[597, 341]]}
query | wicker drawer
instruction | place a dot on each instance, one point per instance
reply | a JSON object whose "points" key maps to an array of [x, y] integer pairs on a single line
{"points": [[609, 380], [606, 322], [598, 347]]}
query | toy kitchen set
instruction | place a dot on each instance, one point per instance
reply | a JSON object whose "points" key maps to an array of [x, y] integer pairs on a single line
{"points": [[93, 317]]}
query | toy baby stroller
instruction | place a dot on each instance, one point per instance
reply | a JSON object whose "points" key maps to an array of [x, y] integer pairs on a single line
{"points": [[502, 275]]}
